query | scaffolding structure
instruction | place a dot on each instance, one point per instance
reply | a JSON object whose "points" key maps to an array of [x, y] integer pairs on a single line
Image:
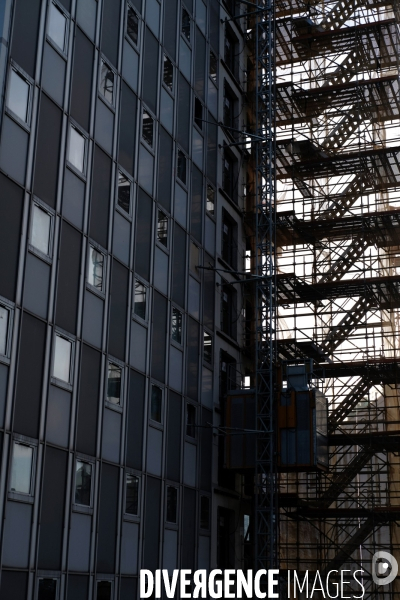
{"points": [[338, 282]]}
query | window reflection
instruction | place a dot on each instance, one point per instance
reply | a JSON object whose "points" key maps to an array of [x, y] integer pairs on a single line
{"points": [[76, 151], [207, 351], [95, 268], [162, 228], [4, 322], [210, 199], [41, 224], [186, 24], [57, 27], [83, 483], [148, 128], [132, 495], [62, 359], [18, 96], [124, 192], [168, 73], [114, 379], [181, 166], [156, 403], [140, 300], [176, 326], [132, 25], [107, 82]]}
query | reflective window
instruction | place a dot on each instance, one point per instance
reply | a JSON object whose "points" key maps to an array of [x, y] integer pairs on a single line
{"points": [[57, 27], [162, 228], [47, 589], [107, 82], [204, 512], [21, 469], [176, 326], [156, 403], [76, 150], [198, 113], [140, 300], [213, 67], [124, 192], [132, 495], [41, 230], [62, 359], [18, 96], [132, 25], [195, 258], [210, 199], [181, 166], [95, 268], [172, 504], [190, 420], [148, 128], [168, 73], [83, 483], [207, 348], [114, 379], [4, 325], [185, 24]]}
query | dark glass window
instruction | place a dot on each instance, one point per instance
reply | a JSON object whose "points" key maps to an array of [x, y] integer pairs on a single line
{"points": [[204, 512], [181, 166], [198, 113], [47, 589], [132, 495], [207, 349], [4, 328], [104, 589], [148, 128], [231, 52], [124, 192], [18, 95], [156, 403], [172, 504], [229, 250], [140, 305], [57, 27], [210, 199], [168, 73], [185, 28], [229, 175], [107, 82], [176, 328], [227, 373], [114, 380], [95, 269], [228, 310], [132, 25], [162, 228], [190, 420], [230, 101], [213, 67], [83, 483]]}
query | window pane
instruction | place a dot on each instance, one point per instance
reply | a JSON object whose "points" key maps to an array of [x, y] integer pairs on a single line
{"points": [[181, 170], [114, 379], [57, 26], [41, 223], [132, 495], [168, 73], [76, 153], [132, 26], [186, 24], [204, 512], [83, 483], [213, 67], [156, 403], [62, 359], [124, 192], [176, 325], [148, 128], [140, 300], [210, 199], [162, 228], [21, 470], [107, 82], [103, 590], [95, 268], [172, 501], [18, 95], [47, 589], [207, 347], [190, 420], [4, 320]]}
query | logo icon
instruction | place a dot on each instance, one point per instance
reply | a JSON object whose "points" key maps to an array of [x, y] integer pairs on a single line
{"points": [[384, 568]]}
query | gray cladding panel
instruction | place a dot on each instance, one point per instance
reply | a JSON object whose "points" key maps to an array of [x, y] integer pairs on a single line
{"points": [[53, 74], [58, 416], [13, 150], [129, 548], [93, 319], [79, 542], [154, 451], [37, 281], [137, 356], [73, 199], [111, 435], [17, 533]]}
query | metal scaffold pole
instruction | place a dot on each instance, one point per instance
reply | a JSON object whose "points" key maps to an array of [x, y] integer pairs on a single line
{"points": [[265, 481]]}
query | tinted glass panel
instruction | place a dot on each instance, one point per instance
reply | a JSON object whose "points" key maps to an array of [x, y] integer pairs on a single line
{"points": [[88, 401], [100, 206], [127, 130], [26, 26], [170, 26], [143, 235], [156, 404], [41, 222], [114, 378], [83, 483], [68, 278], [179, 266], [165, 169], [82, 79], [47, 589], [57, 27], [132, 495], [174, 436], [124, 192], [11, 198], [159, 337], [48, 151], [212, 149], [132, 25], [118, 309], [172, 504], [151, 70], [196, 215], [193, 358], [18, 95], [135, 420], [21, 469], [200, 65], [62, 359], [183, 113], [110, 30], [108, 518], [4, 322]]}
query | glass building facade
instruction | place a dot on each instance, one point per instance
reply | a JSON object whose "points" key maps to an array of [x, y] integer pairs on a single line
{"points": [[122, 323]]}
